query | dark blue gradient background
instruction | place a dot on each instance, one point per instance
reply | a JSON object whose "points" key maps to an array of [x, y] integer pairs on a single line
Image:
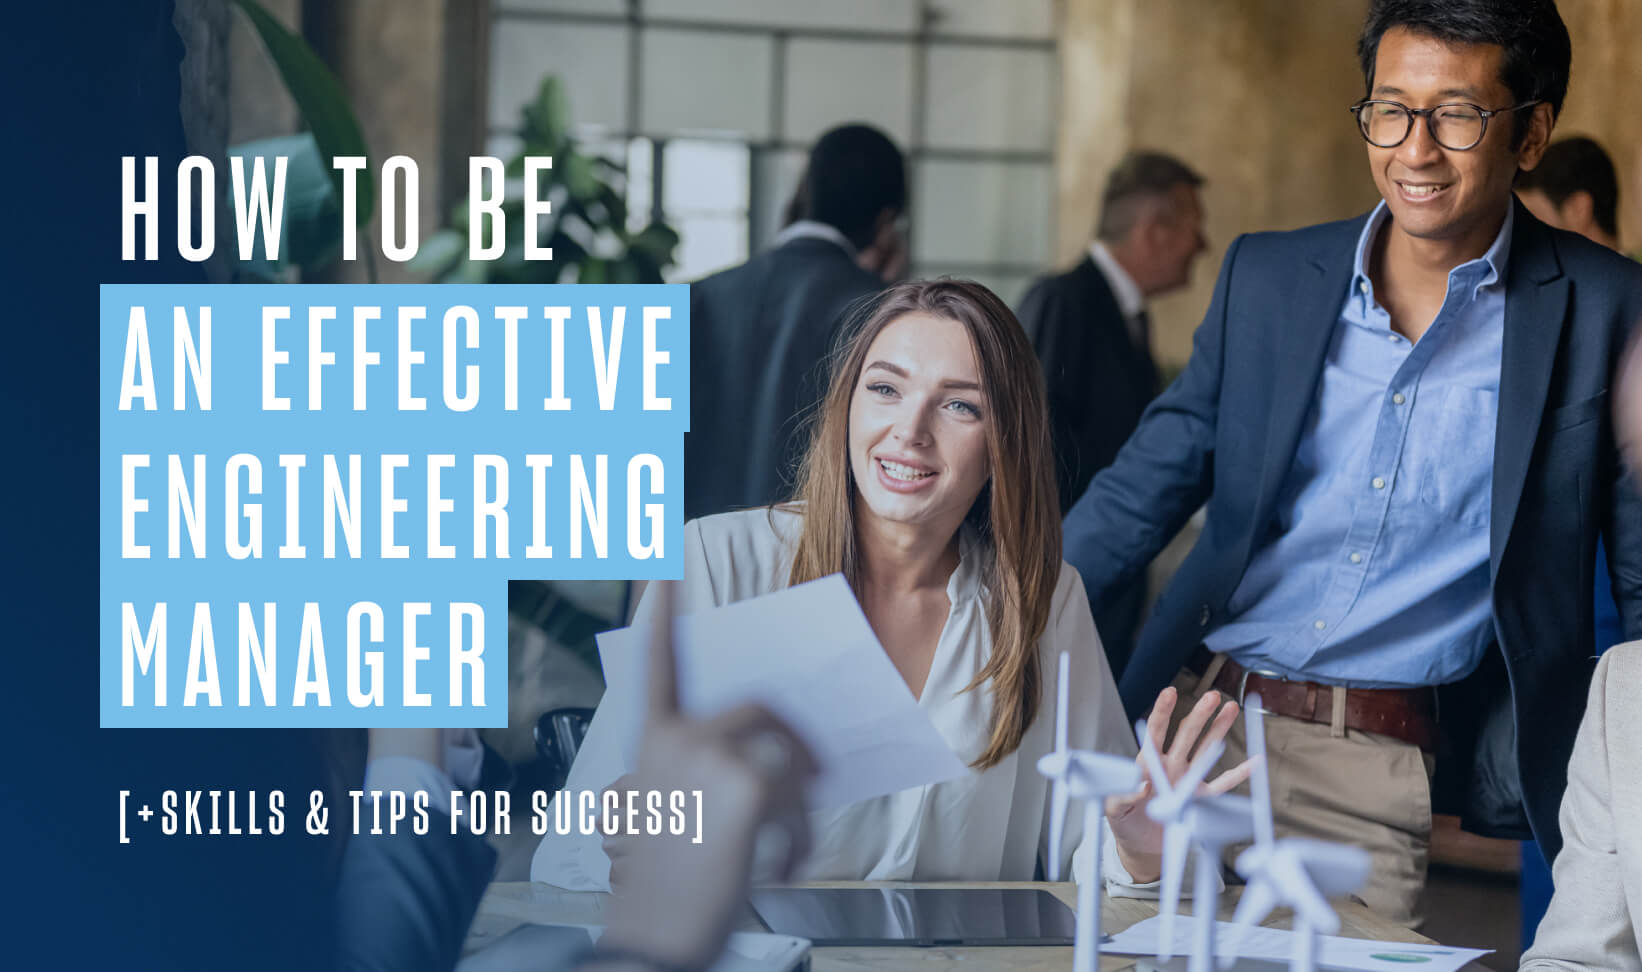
{"points": [[87, 83]]}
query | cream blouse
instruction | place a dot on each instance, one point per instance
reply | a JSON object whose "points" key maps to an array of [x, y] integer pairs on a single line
{"points": [[985, 826]]}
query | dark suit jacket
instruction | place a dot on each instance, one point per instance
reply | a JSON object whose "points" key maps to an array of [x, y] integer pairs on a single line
{"points": [[1225, 432], [1099, 383], [759, 334], [405, 901]]}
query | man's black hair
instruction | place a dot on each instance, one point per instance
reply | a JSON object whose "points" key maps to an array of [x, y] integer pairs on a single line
{"points": [[1531, 32], [855, 174], [1578, 165]]}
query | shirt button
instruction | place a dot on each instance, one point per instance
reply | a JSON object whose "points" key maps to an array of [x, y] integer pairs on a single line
{"points": [[1398, 398], [1379, 483], [1356, 558], [1203, 617], [1319, 624], [1394, 339], [1362, 287]]}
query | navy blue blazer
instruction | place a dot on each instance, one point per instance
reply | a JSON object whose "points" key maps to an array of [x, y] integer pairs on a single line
{"points": [[1225, 434]]}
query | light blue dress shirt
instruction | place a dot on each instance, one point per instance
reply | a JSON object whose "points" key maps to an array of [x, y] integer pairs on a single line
{"points": [[1375, 572]]}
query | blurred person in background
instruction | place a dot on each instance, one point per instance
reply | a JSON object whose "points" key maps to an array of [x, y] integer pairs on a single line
{"points": [[1092, 334], [759, 332], [1575, 188]]}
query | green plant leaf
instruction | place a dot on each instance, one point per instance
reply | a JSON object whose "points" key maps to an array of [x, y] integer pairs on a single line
{"points": [[615, 207], [656, 241], [439, 252], [320, 98], [547, 118], [594, 271], [579, 176], [312, 221], [466, 271]]}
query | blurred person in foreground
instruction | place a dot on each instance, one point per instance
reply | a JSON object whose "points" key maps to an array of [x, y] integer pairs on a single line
{"points": [[929, 484], [1092, 333], [1596, 912], [406, 901], [759, 332], [1399, 425]]}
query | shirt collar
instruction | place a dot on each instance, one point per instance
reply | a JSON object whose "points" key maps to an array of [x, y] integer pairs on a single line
{"points": [[1129, 298], [811, 229], [1488, 269]]}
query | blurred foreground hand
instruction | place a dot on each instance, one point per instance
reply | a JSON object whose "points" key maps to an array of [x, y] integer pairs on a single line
{"points": [[675, 901]]}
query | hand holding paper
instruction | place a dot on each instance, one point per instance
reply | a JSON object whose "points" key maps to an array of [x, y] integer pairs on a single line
{"points": [[806, 654]]}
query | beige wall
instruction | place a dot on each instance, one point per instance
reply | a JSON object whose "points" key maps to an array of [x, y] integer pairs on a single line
{"points": [[1254, 94]]}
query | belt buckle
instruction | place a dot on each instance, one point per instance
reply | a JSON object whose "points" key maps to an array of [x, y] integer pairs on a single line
{"points": [[1243, 686]]}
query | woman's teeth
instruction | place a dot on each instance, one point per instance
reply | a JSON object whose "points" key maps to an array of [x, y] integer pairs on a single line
{"points": [[903, 473]]}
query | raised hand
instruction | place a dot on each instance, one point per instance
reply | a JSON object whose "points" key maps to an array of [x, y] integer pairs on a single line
{"points": [[1139, 838], [675, 901]]}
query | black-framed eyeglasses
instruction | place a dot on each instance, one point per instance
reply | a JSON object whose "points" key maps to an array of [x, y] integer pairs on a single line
{"points": [[1457, 126]]}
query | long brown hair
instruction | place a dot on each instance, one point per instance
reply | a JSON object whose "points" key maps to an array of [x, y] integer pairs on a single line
{"points": [[1017, 513]]}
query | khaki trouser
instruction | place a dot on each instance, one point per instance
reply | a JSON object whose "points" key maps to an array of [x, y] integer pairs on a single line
{"points": [[1347, 786]]}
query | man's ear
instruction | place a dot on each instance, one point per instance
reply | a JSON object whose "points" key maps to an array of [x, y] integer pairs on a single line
{"points": [[1537, 137]]}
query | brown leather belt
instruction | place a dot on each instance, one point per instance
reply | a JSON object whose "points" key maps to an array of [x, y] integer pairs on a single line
{"points": [[1406, 714]]}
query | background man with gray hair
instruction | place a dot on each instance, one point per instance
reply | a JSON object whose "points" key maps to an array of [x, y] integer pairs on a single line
{"points": [[1092, 335]]}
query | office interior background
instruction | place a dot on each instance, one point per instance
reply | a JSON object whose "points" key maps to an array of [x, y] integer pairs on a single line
{"points": [[1010, 113]]}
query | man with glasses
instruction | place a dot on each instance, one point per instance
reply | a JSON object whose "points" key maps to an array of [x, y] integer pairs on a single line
{"points": [[1400, 426]]}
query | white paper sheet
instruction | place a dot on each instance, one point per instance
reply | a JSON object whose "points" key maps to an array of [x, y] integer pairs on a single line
{"points": [[808, 654], [1276, 945]]}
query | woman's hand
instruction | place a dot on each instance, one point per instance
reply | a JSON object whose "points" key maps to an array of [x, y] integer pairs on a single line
{"points": [[1139, 838]]}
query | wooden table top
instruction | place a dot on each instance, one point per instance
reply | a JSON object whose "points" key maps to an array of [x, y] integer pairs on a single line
{"points": [[507, 905]]}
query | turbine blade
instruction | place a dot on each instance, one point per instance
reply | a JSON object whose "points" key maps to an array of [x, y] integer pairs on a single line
{"points": [[1176, 839], [1154, 764], [1302, 895], [1260, 785], [1057, 825], [1257, 901], [1062, 693]]}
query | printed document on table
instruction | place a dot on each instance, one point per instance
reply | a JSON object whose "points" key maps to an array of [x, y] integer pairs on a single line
{"points": [[1276, 945], [806, 653]]}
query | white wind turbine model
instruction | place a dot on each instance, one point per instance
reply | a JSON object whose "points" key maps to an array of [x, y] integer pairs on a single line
{"points": [[1092, 777], [1294, 872], [1213, 823]]}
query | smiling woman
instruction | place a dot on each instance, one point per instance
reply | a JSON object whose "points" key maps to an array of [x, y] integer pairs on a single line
{"points": [[935, 391], [929, 484]]}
